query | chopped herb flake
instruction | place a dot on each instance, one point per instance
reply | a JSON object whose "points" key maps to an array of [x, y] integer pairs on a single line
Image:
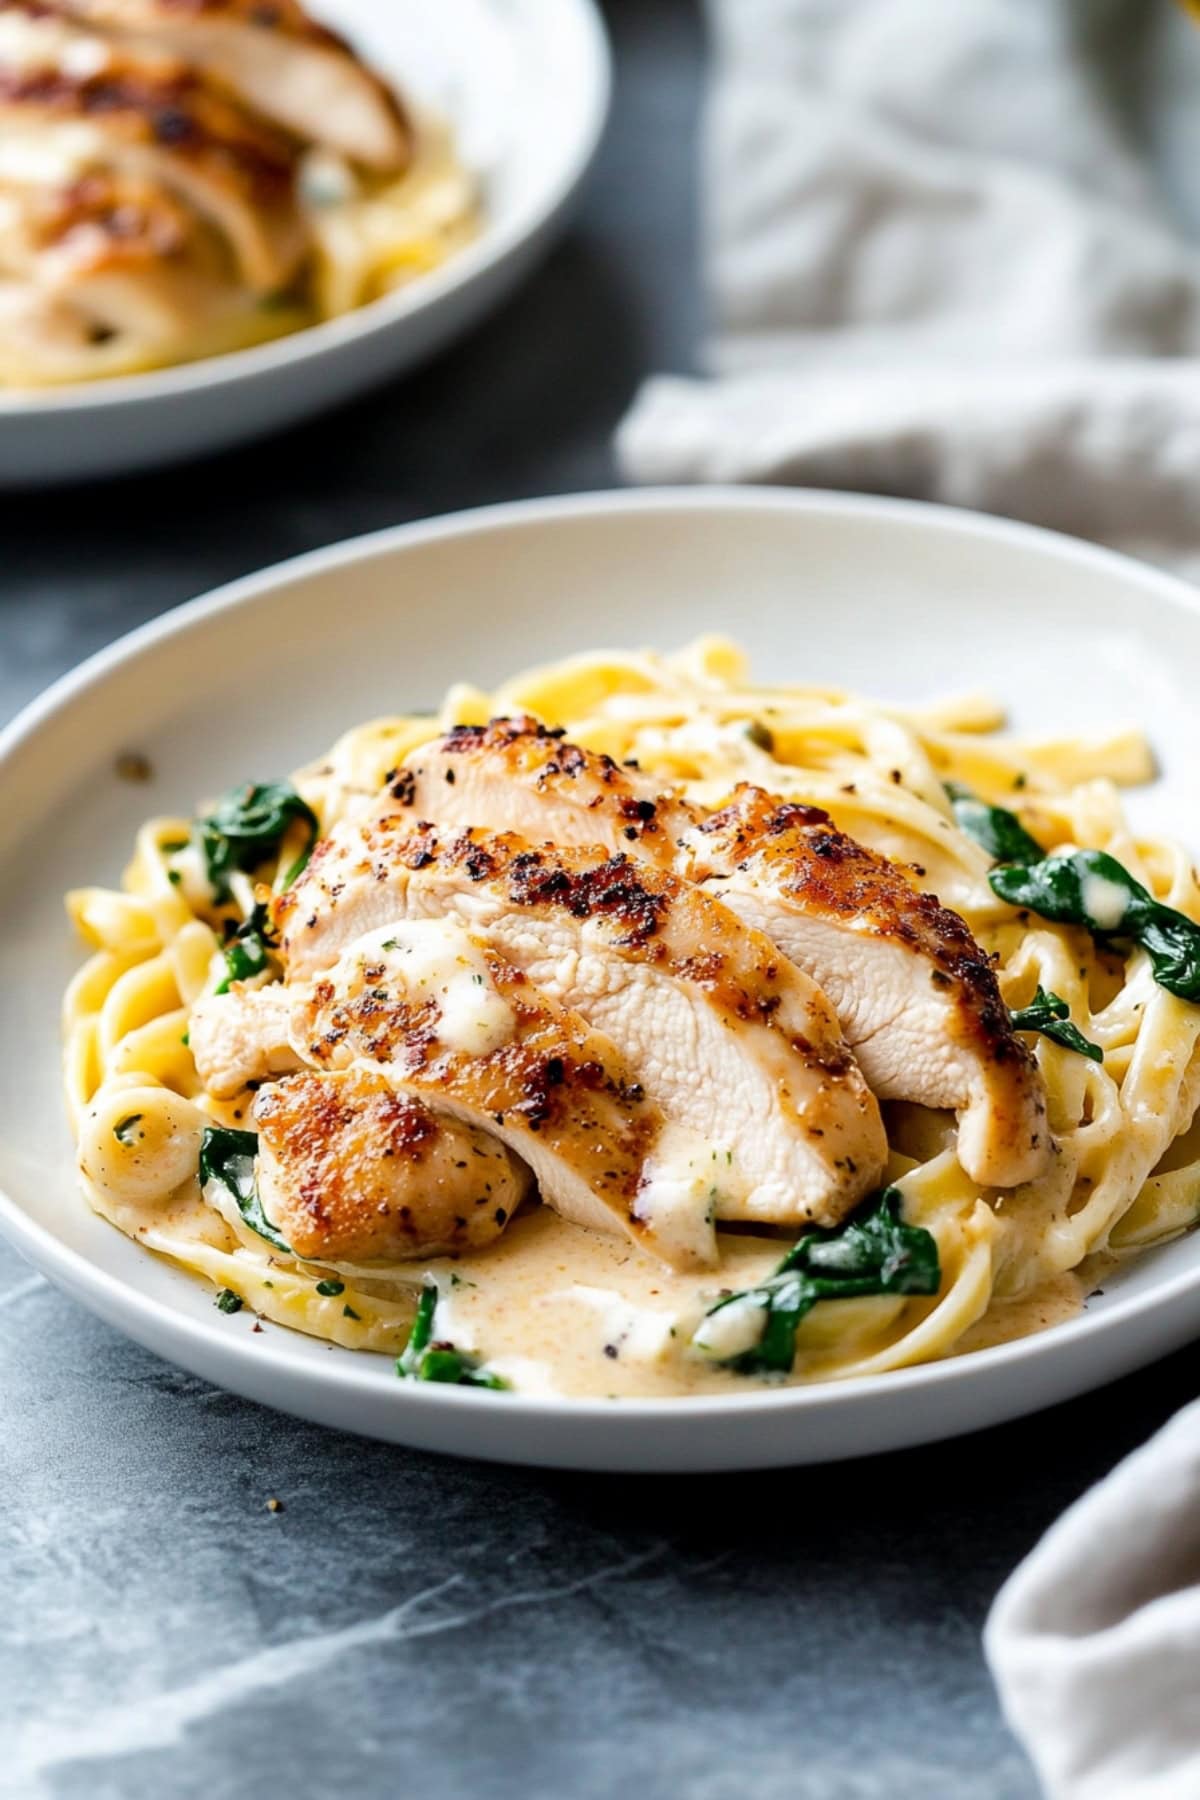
{"points": [[229, 1302], [331, 1288]]}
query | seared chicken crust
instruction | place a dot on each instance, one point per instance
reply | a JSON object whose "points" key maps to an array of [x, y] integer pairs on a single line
{"points": [[516, 774], [349, 1170], [735, 1045], [915, 994], [917, 997], [534, 1075]]}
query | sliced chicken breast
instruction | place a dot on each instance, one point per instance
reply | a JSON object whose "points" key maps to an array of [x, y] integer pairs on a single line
{"points": [[915, 995], [351, 1171], [516, 775], [72, 104], [737, 1047], [121, 255], [453, 1024], [281, 63], [241, 1036]]}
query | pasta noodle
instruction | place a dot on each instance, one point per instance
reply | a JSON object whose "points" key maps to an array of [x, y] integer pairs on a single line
{"points": [[1126, 1174]]}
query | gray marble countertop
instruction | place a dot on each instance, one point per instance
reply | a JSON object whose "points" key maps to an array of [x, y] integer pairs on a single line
{"points": [[409, 1625]]}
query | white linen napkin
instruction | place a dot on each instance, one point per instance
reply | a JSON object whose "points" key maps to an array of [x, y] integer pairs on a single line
{"points": [[939, 265], [1095, 1641]]}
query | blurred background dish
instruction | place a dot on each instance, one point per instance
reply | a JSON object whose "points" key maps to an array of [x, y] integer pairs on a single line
{"points": [[389, 225]]}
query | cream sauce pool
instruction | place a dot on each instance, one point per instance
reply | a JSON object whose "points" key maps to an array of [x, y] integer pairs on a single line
{"points": [[556, 1309]]}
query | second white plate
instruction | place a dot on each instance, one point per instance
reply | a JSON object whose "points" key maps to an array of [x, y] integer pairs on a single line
{"points": [[526, 85]]}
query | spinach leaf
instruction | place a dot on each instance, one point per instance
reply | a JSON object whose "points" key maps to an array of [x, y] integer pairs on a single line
{"points": [[247, 826], [999, 831], [423, 1360], [1052, 1017], [246, 952], [1091, 888], [872, 1252], [228, 1158]]}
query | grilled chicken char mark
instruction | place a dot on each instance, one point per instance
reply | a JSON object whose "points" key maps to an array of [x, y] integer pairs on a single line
{"points": [[351, 1171], [448, 1022], [737, 1047], [916, 996], [278, 60]]}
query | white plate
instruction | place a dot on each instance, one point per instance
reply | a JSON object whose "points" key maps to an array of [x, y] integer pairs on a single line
{"points": [[526, 83], [900, 600]]}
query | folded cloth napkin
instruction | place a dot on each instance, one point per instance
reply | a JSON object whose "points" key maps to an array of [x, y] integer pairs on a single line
{"points": [[1095, 1641], [939, 264]]}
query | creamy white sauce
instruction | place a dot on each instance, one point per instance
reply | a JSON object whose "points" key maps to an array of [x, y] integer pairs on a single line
{"points": [[582, 1312], [1105, 902], [644, 1334], [194, 884], [437, 959], [327, 179], [732, 1329], [679, 1192], [50, 161]]}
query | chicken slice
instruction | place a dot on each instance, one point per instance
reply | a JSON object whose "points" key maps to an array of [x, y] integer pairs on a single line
{"points": [[735, 1045], [119, 253], [915, 995], [278, 60], [517, 775], [241, 1036], [454, 1025], [349, 1171], [72, 103]]}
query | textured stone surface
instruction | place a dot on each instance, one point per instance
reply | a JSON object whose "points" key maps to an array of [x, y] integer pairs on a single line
{"points": [[407, 1625]]}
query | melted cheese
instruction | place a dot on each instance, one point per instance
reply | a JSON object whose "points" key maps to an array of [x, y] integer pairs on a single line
{"points": [[679, 1193], [1105, 902], [437, 959]]}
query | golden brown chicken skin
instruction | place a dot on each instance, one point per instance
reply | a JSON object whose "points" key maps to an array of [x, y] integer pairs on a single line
{"points": [[516, 774], [530, 1073], [351, 1171], [915, 995], [734, 1044]]}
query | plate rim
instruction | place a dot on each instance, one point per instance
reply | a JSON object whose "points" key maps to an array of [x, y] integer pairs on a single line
{"points": [[111, 1296], [485, 256]]}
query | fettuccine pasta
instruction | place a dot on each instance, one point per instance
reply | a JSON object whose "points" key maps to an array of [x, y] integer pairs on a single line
{"points": [[553, 1306]]}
